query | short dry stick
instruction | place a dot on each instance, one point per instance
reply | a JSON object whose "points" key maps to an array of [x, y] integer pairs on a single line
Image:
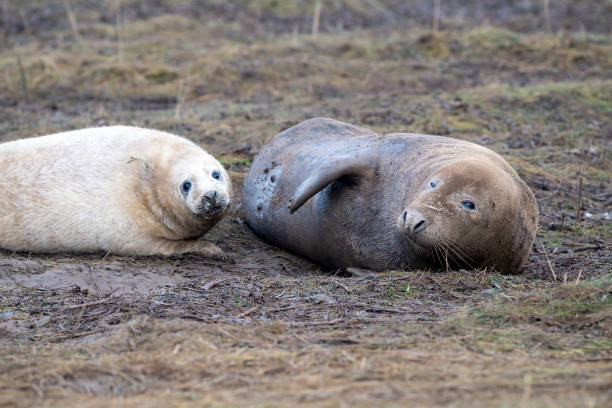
{"points": [[552, 270]]}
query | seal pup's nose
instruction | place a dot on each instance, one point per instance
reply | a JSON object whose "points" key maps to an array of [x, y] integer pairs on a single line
{"points": [[210, 198], [213, 202]]}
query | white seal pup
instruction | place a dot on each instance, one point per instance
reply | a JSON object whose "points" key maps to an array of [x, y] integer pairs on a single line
{"points": [[120, 189]]}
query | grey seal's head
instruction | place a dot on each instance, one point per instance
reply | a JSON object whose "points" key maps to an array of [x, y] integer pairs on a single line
{"points": [[472, 212]]}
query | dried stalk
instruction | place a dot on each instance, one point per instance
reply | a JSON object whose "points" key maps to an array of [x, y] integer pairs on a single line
{"points": [[316, 17], [24, 80], [579, 205], [73, 21], [546, 11], [436, 16], [119, 30], [552, 270]]}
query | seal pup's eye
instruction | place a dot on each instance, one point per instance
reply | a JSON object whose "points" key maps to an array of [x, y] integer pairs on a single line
{"points": [[468, 204], [216, 175], [432, 184], [186, 186]]}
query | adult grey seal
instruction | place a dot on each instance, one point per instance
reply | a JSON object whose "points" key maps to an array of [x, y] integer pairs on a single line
{"points": [[345, 196], [120, 189]]}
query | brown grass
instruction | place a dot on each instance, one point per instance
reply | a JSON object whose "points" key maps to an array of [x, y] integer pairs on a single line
{"points": [[273, 329]]}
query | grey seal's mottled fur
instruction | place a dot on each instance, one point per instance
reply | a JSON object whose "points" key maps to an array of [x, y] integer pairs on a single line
{"points": [[345, 196]]}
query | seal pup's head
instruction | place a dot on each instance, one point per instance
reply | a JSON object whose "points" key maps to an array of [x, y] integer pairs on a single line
{"points": [[473, 213], [201, 183]]}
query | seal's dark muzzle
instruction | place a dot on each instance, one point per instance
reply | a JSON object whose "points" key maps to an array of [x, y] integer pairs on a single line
{"points": [[212, 203]]}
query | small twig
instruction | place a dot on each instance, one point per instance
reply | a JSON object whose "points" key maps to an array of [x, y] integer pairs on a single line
{"points": [[436, 16], [587, 247], [400, 278], [105, 255], [282, 293], [181, 95], [578, 277], [24, 80], [73, 22], [26, 23], [345, 322], [97, 302], [59, 337], [548, 261], [248, 312], [343, 286], [546, 10], [579, 206], [119, 31], [316, 17], [5, 16], [315, 323], [382, 309], [192, 317], [280, 309], [212, 284]]}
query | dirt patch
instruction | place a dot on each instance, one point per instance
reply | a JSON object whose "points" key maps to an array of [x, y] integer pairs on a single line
{"points": [[273, 328], [98, 280]]}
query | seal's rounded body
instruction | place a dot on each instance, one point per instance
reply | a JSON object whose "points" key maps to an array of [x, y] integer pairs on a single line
{"points": [[345, 196], [120, 189]]}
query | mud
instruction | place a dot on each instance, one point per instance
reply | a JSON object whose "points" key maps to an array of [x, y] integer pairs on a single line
{"points": [[273, 328], [99, 279]]}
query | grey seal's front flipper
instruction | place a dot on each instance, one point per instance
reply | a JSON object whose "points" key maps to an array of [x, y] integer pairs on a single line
{"points": [[360, 163]]}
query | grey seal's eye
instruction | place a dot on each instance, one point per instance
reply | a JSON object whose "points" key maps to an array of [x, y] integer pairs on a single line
{"points": [[432, 184], [468, 204], [186, 186], [216, 175]]}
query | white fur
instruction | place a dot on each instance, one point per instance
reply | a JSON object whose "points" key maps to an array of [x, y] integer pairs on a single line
{"points": [[80, 191]]}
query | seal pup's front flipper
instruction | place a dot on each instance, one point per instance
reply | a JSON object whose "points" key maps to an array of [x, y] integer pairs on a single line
{"points": [[359, 163]]}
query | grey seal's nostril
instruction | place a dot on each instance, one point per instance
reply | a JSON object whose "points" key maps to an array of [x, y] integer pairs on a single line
{"points": [[419, 226], [411, 221]]}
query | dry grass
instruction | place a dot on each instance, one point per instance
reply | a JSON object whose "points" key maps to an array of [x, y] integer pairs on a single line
{"points": [[175, 362], [273, 329]]}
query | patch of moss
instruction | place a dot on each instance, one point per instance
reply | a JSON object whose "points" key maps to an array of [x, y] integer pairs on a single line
{"points": [[161, 75], [463, 125], [165, 23], [534, 99], [433, 45], [231, 161], [114, 74], [484, 41], [491, 37]]}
